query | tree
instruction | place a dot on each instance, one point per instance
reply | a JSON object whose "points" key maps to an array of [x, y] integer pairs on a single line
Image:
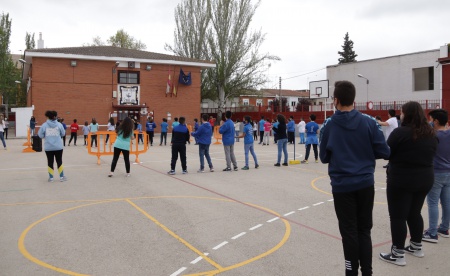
{"points": [[29, 41], [303, 105], [8, 70], [347, 55], [219, 30], [121, 39]]}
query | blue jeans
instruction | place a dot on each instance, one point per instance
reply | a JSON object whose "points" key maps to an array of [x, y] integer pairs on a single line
{"points": [[251, 148], [3, 139], [302, 138], [203, 150], [282, 145], [440, 190]]}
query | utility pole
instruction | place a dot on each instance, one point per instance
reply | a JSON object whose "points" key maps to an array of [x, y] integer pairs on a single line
{"points": [[281, 101]]}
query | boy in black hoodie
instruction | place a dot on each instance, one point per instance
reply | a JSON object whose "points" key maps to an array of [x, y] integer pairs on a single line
{"points": [[180, 135], [357, 141]]}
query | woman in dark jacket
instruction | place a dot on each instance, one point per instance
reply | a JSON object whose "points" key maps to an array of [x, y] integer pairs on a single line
{"points": [[409, 178], [281, 140]]}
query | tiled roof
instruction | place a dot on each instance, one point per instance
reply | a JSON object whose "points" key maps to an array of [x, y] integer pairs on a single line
{"points": [[111, 51], [285, 93]]}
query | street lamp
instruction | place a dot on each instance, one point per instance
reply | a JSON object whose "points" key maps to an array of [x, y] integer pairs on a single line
{"points": [[113, 71], [367, 82]]}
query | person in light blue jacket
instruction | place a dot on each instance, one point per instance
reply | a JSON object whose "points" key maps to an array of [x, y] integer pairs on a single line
{"points": [[52, 131], [228, 135]]}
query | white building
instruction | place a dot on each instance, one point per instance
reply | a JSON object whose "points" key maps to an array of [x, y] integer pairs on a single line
{"points": [[415, 76]]}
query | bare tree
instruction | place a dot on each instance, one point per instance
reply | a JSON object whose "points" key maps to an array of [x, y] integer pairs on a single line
{"points": [[219, 30]]}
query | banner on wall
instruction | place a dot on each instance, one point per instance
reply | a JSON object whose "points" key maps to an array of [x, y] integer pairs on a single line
{"points": [[129, 95]]}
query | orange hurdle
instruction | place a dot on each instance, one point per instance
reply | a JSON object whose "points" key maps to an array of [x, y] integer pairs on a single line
{"points": [[217, 135]]}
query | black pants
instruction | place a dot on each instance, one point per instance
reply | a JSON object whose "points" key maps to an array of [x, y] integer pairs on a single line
{"points": [[94, 138], [51, 156], [150, 134], [178, 148], [107, 138], [73, 135], [354, 213], [261, 136], [126, 159], [404, 207], [275, 137], [308, 149], [64, 140], [85, 139], [255, 135], [163, 135], [6, 133], [291, 137]]}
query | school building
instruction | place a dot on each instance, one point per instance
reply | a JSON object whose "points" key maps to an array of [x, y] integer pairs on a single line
{"points": [[104, 81]]}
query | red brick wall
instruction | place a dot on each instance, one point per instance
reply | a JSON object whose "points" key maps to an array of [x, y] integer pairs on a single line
{"points": [[85, 91]]}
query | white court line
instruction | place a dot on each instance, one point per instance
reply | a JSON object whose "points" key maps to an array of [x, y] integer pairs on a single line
{"points": [[255, 227], [220, 245], [178, 271], [290, 213], [272, 220], [199, 258], [330, 200], [239, 235], [318, 203], [383, 188], [304, 208]]}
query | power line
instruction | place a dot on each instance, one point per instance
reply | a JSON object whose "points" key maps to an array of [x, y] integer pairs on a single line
{"points": [[304, 74]]}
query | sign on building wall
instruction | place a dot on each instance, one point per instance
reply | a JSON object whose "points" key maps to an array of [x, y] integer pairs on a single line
{"points": [[129, 95]]}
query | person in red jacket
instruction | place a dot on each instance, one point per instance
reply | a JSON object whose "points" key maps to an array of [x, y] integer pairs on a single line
{"points": [[73, 132]]}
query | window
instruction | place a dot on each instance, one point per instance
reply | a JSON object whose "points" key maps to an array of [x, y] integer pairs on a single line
{"points": [[293, 103], [259, 102], [423, 78], [128, 77], [245, 101]]}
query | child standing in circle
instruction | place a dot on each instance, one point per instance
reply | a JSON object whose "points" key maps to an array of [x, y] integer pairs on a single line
{"points": [[248, 142], [93, 128], [53, 131], [85, 132], [122, 145]]}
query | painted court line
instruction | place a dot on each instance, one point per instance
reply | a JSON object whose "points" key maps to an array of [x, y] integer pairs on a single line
{"points": [[178, 271], [290, 213], [199, 258], [272, 220], [330, 200], [255, 227], [304, 208], [318, 203], [239, 235], [220, 245]]}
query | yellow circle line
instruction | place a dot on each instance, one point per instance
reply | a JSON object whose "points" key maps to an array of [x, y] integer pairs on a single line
{"points": [[313, 184], [24, 251], [26, 254], [275, 248]]}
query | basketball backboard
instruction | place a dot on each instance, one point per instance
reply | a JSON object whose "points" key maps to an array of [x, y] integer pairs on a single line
{"points": [[319, 89]]}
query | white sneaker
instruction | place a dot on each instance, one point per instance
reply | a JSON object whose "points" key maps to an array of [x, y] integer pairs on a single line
{"points": [[63, 178]]}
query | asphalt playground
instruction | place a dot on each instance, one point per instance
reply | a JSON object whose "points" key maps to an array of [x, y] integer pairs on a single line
{"points": [[265, 221]]}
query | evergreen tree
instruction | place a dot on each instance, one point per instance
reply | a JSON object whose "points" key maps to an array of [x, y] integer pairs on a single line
{"points": [[347, 55], [30, 43]]}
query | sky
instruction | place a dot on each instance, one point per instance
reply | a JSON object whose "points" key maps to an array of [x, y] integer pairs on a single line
{"points": [[305, 34]]}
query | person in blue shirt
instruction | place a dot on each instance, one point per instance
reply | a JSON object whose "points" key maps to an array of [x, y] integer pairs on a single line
{"points": [[122, 145], [228, 135], [291, 130], [164, 125], [275, 124], [180, 135], [261, 130], [248, 142], [139, 129], [150, 130], [312, 130], [196, 126], [351, 142], [203, 137]]}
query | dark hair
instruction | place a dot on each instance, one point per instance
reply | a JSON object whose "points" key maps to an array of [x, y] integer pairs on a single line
{"points": [[281, 119], [262, 117], [205, 117], [51, 114], [414, 117], [111, 120], [291, 117], [86, 123], [312, 117], [175, 119], [441, 115], [182, 120], [228, 114], [93, 121], [345, 92], [164, 120], [247, 118], [195, 120], [126, 127], [74, 120], [391, 112], [378, 117]]}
